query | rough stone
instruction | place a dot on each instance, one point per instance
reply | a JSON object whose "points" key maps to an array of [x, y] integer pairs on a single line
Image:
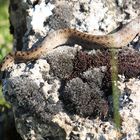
{"points": [[62, 96]]}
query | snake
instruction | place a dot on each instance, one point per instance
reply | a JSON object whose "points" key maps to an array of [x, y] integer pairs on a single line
{"points": [[69, 36]]}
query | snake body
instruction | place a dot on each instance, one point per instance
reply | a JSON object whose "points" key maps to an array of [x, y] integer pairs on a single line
{"points": [[71, 36]]}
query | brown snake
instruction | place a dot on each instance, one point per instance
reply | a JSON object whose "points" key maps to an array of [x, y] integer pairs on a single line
{"points": [[71, 36]]}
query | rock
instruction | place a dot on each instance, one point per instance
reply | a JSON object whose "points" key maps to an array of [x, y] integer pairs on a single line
{"points": [[68, 94]]}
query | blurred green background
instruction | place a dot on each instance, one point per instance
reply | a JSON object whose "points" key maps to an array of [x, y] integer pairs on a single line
{"points": [[5, 39]]}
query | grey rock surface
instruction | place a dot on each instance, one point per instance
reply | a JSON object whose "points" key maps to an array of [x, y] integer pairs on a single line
{"points": [[61, 97]]}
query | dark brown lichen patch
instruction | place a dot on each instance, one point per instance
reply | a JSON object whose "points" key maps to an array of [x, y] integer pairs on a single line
{"points": [[128, 62], [83, 61]]}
